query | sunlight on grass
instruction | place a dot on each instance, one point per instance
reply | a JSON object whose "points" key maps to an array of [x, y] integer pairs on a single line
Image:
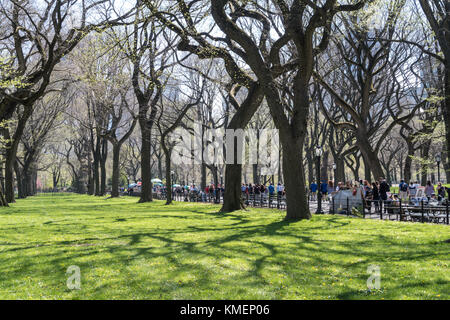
{"points": [[127, 250]]}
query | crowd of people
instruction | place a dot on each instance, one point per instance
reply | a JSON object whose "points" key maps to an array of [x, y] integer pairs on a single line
{"points": [[370, 192], [378, 190], [262, 189]]}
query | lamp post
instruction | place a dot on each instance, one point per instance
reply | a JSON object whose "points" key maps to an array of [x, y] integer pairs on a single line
{"points": [[319, 152], [438, 160]]}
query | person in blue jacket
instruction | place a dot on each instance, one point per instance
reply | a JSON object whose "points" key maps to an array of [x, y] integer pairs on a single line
{"points": [[271, 189], [313, 191]]}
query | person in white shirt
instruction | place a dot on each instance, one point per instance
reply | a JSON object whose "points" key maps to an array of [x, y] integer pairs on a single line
{"points": [[412, 189], [280, 189]]}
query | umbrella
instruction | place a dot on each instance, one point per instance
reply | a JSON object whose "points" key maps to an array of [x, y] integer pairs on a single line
{"points": [[158, 184], [156, 181], [132, 185], [176, 185]]}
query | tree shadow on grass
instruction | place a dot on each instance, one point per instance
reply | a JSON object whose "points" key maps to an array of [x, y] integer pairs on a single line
{"points": [[261, 247]]}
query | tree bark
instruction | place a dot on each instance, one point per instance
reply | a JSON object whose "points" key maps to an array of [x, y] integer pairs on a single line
{"points": [[324, 168], [169, 183], [369, 155], [340, 169], [103, 158], [292, 138], [446, 114], [408, 164], [116, 171], [425, 151], [146, 175], [232, 199]]}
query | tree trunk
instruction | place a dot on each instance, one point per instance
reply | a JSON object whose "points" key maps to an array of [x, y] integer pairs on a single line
{"points": [[324, 168], [3, 202], [203, 176], [425, 151], [146, 174], [256, 177], [408, 164], [116, 171], [233, 195], [104, 156], [91, 186], [446, 115], [96, 166], [233, 171], [446, 166], [367, 174], [340, 170], [21, 192], [294, 180], [168, 177], [310, 164], [292, 138], [369, 156]]}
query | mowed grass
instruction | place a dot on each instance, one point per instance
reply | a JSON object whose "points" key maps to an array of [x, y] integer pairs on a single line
{"points": [[127, 250]]}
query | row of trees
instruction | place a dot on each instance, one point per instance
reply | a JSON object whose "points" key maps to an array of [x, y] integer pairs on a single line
{"points": [[368, 81]]}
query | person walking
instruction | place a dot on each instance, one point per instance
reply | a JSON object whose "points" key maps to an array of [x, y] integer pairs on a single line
{"points": [[429, 190], [412, 190], [271, 189], [376, 195], [313, 191], [384, 189], [440, 191], [403, 190], [280, 189]]}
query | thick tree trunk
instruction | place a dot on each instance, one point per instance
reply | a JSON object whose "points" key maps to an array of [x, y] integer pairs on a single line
{"points": [[21, 192], [3, 202], [340, 170], [203, 176], [96, 176], [310, 164], [446, 115], [96, 166], [292, 138], [233, 195], [369, 156], [324, 168], [233, 171], [91, 183], [146, 175], [9, 175], [256, 176], [424, 152], [160, 168], [446, 167], [115, 171], [367, 174], [104, 156], [168, 177], [408, 164], [294, 180]]}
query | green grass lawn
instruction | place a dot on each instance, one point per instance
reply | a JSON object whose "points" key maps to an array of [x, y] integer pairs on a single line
{"points": [[127, 250]]}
